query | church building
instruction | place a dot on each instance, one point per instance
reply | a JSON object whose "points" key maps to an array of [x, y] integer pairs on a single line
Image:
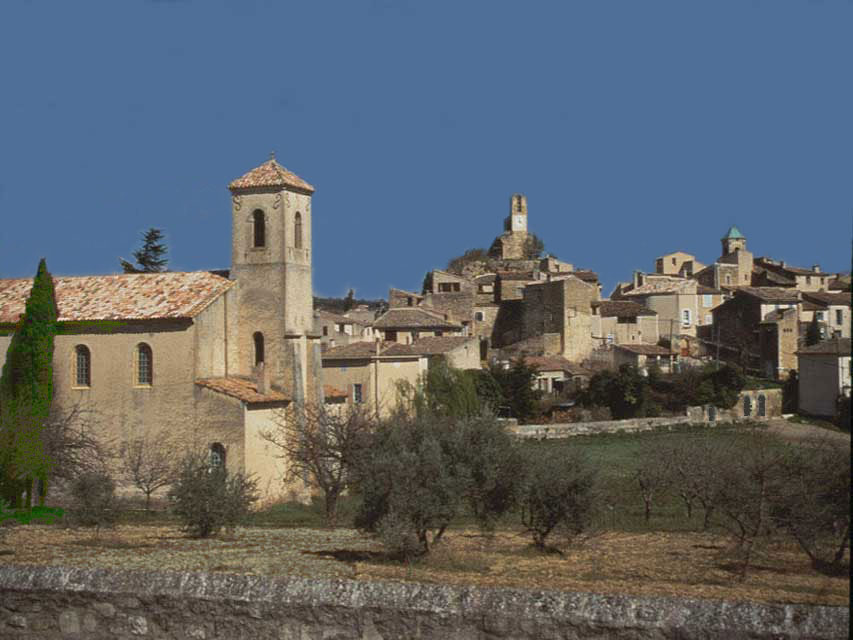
{"points": [[212, 357]]}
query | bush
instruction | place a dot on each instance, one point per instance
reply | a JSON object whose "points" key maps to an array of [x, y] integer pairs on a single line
{"points": [[557, 494], [93, 500], [207, 498]]}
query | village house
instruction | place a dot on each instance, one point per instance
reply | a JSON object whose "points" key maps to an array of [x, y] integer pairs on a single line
{"points": [[370, 372], [212, 358], [642, 356], [832, 310], [733, 268], [555, 374], [778, 274], [335, 329], [824, 375], [623, 322], [460, 352], [679, 264], [778, 339], [405, 325]]}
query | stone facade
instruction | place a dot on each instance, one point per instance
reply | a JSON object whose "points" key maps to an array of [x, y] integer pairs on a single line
{"points": [[512, 243]]}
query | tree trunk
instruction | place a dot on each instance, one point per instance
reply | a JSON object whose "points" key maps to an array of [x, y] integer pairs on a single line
{"points": [[42, 490], [647, 503], [28, 488], [331, 509], [147, 501]]}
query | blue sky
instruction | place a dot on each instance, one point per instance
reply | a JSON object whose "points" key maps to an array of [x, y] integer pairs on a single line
{"points": [[635, 128]]}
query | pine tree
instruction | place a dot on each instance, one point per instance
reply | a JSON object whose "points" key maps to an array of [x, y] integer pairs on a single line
{"points": [[349, 301], [151, 257], [26, 391]]}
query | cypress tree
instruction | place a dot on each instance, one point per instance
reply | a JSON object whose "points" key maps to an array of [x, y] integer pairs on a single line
{"points": [[813, 332], [26, 391]]}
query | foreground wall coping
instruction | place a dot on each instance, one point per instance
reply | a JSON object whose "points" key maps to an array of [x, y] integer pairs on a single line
{"points": [[639, 616]]}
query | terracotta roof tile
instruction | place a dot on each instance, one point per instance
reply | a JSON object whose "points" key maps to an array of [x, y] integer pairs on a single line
{"points": [[435, 345], [645, 349], [771, 294], [270, 174], [142, 296], [241, 388], [836, 346], [622, 309], [412, 317], [330, 392], [827, 298], [361, 350]]}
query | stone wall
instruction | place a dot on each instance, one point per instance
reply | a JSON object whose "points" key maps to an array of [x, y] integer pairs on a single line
{"points": [[53, 603]]}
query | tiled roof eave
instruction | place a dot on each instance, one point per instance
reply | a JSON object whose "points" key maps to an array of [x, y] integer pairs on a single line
{"points": [[273, 188]]}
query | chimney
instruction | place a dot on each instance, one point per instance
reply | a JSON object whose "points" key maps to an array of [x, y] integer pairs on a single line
{"points": [[261, 378]]}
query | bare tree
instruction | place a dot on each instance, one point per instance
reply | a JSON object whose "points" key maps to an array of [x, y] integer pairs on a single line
{"points": [[149, 461], [652, 475], [72, 446], [321, 444]]}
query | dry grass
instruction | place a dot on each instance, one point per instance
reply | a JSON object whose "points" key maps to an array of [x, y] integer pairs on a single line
{"points": [[652, 564]]}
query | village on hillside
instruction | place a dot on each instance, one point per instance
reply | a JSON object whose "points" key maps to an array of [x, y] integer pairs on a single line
{"points": [[220, 352]]}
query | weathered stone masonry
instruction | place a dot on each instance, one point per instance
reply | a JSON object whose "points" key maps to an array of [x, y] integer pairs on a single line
{"points": [[50, 603]]}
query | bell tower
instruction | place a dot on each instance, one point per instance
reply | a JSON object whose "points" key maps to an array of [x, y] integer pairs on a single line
{"points": [[271, 262], [517, 218]]}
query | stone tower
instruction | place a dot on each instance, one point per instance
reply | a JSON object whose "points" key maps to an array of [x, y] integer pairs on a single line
{"points": [[510, 245], [271, 262], [734, 240]]}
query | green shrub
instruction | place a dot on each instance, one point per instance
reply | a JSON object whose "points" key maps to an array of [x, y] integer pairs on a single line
{"points": [[206, 498]]}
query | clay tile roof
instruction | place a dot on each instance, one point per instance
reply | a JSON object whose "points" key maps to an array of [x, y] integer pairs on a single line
{"points": [[270, 174], [662, 285], [622, 309], [707, 290], [645, 349], [555, 363], [585, 275], [330, 392], [334, 317], [771, 294], [435, 345], [836, 346], [241, 388], [515, 275], [362, 350], [412, 317], [827, 298], [139, 296]]}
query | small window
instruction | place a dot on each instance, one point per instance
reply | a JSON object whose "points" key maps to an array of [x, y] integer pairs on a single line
{"points": [[83, 368], [391, 336], [479, 316], [707, 300], [357, 396], [297, 230], [217, 456], [673, 261], [259, 228], [325, 330], [762, 406], [839, 317], [685, 317], [610, 338], [410, 301], [747, 406], [258, 339], [808, 279], [728, 279], [145, 365], [709, 319]]}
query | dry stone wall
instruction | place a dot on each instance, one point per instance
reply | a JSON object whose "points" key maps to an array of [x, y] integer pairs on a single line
{"points": [[53, 603]]}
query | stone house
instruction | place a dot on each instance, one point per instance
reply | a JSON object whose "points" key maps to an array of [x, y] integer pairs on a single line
{"points": [[778, 339], [824, 375], [733, 268], [405, 325], [212, 357], [560, 310], [460, 352], [623, 322], [370, 372], [642, 356], [832, 310], [682, 305], [335, 329], [679, 264], [554, 374], [781, 274]]}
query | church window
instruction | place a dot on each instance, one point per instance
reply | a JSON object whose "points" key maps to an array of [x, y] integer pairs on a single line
{"points": [[357, 395], [144, 365], [217, 456], [297, 231], [83, 373], [258, 338], [747, 406], [259, 228]]}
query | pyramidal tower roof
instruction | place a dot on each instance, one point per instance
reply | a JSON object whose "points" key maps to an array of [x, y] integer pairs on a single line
{"points": [[734, 232], [270, 174]]}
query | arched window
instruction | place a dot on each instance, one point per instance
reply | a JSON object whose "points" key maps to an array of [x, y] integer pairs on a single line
{"points": [[297, 230], [518, 204], [712, 414], [762, 406], [83, 366], [747, 406], [217, 456], [259, 228], [144, 365], [258, 337]]}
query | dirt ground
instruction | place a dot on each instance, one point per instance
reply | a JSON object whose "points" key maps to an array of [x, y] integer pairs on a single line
{"points": [[663, 564]]}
